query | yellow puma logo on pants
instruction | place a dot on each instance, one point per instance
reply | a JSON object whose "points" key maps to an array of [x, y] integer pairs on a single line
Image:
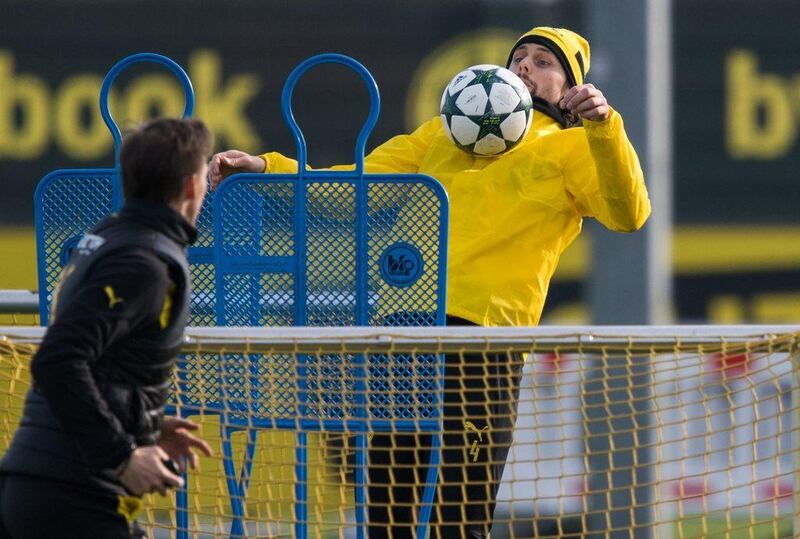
{"points": [[475, 450], [112, 297]]}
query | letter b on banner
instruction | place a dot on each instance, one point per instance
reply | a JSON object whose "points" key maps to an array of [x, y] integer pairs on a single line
{"points": [[24, 112]]}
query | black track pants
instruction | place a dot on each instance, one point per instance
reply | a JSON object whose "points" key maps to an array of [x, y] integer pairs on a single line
{"points": [[481, 395], [38, 509]]}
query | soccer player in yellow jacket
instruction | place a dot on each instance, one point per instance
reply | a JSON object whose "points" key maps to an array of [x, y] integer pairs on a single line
{"points": [[511, 218]]}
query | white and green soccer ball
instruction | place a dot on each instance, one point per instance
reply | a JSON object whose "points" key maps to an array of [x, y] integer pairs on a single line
{"points": [[486, 110]]}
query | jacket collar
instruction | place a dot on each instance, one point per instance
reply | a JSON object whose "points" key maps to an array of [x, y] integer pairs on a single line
{"points": [[546, 108], [160, 218], [543, 122]]}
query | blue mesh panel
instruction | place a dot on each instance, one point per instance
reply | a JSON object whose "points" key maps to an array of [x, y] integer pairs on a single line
{"points": [[405, 213], [330, 387], [199, 384], [276, 300], [68, 203], [331, 254], [201, 266], [203, 311], [257, 252], [292, 258], [274, 393]]}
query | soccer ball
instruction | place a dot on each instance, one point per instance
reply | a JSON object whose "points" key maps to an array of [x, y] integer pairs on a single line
{"points": [[486, 110]]}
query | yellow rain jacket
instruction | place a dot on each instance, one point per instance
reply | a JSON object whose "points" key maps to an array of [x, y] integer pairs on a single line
{"points": [[512, 216]]}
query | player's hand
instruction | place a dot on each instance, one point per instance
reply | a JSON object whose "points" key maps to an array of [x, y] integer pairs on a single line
{"points": [[146, 472], [587, 102], [180, 444], [230, 162]]}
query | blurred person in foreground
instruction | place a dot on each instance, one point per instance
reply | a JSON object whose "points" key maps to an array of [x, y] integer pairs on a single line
{"points": [[511, 218], [93, 438]]}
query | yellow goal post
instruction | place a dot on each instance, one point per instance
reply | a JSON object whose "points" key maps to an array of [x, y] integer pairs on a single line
{"points": [[629, 431]]}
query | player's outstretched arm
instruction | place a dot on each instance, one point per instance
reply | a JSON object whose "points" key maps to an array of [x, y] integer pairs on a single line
{"points": [[401, 154], [224, 164]]}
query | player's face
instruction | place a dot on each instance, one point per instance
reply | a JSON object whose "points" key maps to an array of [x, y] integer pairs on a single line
{"points": [[540, 70]]}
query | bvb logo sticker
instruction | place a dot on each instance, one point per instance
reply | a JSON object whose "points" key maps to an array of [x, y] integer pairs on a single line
{"points": [[401, 264]]}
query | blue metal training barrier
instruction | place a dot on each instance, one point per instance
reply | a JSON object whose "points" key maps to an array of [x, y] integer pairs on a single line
{"points": [[68, 202], [330, 248], [316, 248]]}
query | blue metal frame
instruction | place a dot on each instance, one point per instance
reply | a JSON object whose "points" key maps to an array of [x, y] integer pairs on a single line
{"points": [[93, 193], [123, 64], [297, 265]]}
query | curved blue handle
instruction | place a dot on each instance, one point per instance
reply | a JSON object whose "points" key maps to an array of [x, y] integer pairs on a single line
{"points": [[136, 59], [372, 118]]}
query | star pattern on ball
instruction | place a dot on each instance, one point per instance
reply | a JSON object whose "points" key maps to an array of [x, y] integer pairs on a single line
{"points": [[490, 124], [450, 106]]}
